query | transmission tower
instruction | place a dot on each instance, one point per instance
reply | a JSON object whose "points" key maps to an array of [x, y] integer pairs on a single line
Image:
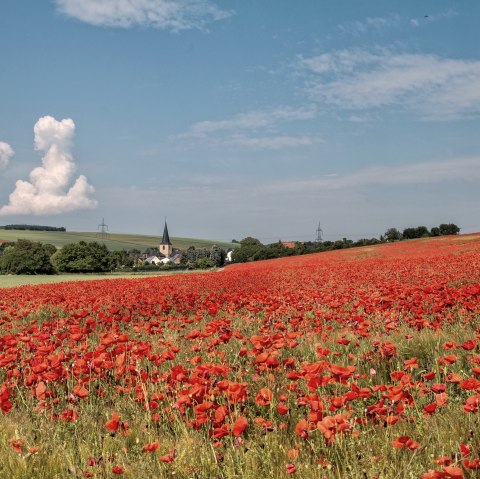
{"points": [[319, 238], [103, 230]]}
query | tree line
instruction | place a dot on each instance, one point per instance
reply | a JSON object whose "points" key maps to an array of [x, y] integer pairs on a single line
{"points": [[33, 228], [251, 249], [393, 234], [30, 257]]}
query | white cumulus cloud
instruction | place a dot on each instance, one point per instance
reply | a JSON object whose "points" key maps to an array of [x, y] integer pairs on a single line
{"points": [[6, 153], [50, 189], [173, 15]]}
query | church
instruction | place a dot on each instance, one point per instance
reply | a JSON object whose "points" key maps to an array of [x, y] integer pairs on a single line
{"points": [[166, 252], [166, 247]]}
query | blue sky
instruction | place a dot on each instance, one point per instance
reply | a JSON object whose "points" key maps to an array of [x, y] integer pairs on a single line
{"points": [[237, 118]]}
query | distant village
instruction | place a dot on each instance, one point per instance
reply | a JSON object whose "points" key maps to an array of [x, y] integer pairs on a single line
{"points": [[24, 256], [166, 253]]}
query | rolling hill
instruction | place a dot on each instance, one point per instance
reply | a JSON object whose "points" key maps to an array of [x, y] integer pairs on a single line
{"points": [[114, 241]]}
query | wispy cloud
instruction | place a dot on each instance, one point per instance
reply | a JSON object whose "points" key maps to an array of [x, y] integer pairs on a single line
{"points": [[6, 153], [371, 23], [269, 142], [256, 129], [438, 88], [49, 191], [172, 15], [465, 169], [252, 120], [430, 17]]}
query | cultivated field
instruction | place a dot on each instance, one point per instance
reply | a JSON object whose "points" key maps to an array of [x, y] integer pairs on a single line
{"points": [[361, 363], [10, 281], [114, 241]]}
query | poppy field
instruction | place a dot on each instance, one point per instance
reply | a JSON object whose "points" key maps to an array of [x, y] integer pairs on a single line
{"points": [[359, 363]]}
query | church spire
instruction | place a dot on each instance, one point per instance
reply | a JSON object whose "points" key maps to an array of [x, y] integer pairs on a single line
{"points": [[166, 237]]}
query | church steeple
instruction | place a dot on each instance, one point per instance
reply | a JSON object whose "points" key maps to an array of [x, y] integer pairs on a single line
{"points": [[166, 247], [166, 237]]}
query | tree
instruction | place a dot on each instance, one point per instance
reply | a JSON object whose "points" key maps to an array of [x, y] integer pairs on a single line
{"points": [[121, 259], [435, 231], [449, 229], [392, 234], [83, 257], [204, 263], [50, 249], [251, 249], [409, 233], [249, 241], [217, 256], [26, 257], [422, 232]]}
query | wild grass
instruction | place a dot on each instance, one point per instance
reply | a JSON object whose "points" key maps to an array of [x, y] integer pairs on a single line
{"points": [[11, 281]]}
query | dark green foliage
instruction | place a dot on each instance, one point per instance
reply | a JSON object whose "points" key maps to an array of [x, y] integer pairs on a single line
{"points": [[249, 251], [422, 231], [392, 234], [33, 228], [217, 256], [368, 242], [204, 258], [83, 257], [191, 256], [5, 245], [418, 232], [449, 229], [204, 263], [50, 249], [249, 241], [26, 257], [121, 259]]}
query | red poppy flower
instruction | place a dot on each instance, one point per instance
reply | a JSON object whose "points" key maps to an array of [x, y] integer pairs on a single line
{"points": [[302, 428], [239, 426], [291, 468], [114, 422], [168, 458], [80, 391], [153, 446]]}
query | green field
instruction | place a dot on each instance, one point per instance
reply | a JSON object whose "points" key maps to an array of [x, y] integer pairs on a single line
{"points": [[114, 241], [11, 281]]}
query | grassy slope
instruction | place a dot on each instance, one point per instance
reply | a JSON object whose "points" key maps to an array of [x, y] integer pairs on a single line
{"points": [[114, 241], [25, 279]]}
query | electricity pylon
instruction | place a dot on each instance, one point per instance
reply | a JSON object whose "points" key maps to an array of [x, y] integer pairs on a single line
{"points": [[103, 230], [319, 238]]}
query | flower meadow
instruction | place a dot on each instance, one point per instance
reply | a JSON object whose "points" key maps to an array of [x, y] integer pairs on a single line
{"points": [[360, 363]]}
